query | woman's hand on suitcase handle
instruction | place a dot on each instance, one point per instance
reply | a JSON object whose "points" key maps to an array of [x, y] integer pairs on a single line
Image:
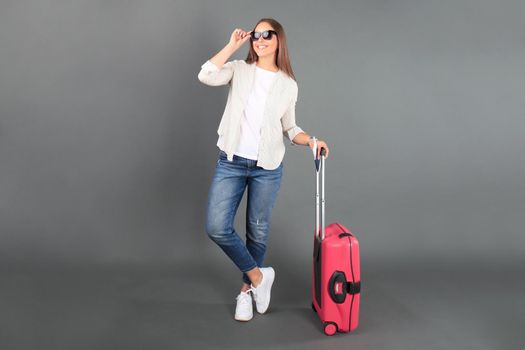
{"points": [[320, 144]]}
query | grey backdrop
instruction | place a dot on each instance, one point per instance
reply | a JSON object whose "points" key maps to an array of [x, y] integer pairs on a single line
{"points": [[107, 138]]}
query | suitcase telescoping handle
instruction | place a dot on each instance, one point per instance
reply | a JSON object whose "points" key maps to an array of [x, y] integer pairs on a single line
{"points": [[319, 167]]}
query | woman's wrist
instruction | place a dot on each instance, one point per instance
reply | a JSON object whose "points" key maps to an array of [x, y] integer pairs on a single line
{"points": [[310, 140], [231, 47]]}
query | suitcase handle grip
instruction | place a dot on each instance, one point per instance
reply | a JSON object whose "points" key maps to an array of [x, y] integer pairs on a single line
{"points": [[323, 152], [314, 151], [316, 160]]}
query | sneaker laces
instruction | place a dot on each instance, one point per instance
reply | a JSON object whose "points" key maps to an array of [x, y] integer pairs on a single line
{"points": [[254, 292], [244, 297]]}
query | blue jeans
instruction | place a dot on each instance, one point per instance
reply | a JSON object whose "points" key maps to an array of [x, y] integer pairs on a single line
{"points": [[226, 191]]}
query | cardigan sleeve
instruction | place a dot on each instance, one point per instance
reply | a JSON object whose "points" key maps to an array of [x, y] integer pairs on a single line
{"points": [[211, 75], [290, 128]]}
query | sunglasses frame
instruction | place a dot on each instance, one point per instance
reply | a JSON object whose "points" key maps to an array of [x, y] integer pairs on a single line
{"points": [[270, 32]]}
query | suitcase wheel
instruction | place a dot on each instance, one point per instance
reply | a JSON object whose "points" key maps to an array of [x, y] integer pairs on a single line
{"points": [[330, 328]]}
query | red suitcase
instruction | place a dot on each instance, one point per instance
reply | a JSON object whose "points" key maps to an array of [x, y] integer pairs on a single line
{"points": [[336, 280]]}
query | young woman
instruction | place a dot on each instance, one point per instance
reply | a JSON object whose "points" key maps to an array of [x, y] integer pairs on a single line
{"points": [[259, 110]]}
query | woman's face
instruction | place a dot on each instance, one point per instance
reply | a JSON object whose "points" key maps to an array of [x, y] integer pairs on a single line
{"points": [[262, 46]]}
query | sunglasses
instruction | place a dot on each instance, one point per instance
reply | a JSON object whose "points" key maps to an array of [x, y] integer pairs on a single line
{"points": [[266, 35]]}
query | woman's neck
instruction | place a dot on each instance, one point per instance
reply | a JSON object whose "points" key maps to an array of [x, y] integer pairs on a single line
{"points": [[267, 63]]}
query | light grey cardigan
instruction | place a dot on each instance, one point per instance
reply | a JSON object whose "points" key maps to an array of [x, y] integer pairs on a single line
{"points": [[279, 111]]}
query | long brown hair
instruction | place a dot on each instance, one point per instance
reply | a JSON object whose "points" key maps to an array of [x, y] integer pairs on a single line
{"points": [[282, 59]]}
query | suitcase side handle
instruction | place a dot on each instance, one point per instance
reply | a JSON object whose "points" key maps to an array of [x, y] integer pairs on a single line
{"points": [[339, 287]]}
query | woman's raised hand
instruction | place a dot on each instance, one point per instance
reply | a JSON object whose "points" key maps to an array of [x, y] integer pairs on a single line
{"points": [[238, 38]]}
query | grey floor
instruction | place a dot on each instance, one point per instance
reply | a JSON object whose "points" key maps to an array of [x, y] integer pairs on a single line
{"points": [[190, 306]]}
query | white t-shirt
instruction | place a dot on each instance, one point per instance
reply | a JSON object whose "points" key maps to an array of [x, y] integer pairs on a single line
{"points": [[252, 118]]}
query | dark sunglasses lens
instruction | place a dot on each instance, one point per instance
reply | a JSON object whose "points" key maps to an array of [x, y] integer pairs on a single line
{"points": [[267, 35]]}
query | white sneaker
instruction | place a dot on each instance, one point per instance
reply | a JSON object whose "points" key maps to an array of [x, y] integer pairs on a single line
{"points": [[244, 308], [262, 293]]}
